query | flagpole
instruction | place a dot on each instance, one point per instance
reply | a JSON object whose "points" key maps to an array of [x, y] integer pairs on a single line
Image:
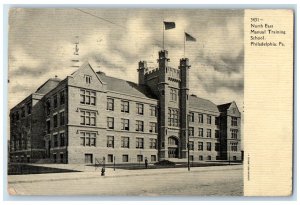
{"points": [[184, 45], [163, 37]]}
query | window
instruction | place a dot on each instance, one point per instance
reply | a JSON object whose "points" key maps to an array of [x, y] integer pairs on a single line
{"points": [[191, 131], [55, 101], [192, 117], [208, 157], [110, 104], [173, 93], [125, 142], [173, 116], [208, 134], [217, 134], [88, 139], [233, 133], [139, 158], [200, 146], [152, 143], [217, 147], [124, 158], [124, 106], [23, 112], [200, 116], [110, 158], [48, 126], [110, 141], [191, 157], [233, 121], [153, 158], [217, 121], [88, 117], [29, 108], [139, 109], [139, 143], [153, 110], [139, 126], [88, 79], [88, 97], [62, 97], [208, 146], [61, 157], [201, 158], [234, 146], [208, 119], [62, 139], [54, 120], [200, 132], [62, 118], [153, 127], [125, 124], [191, 145], [48, 107], [55, 140], [172, 141], [110, 122]]}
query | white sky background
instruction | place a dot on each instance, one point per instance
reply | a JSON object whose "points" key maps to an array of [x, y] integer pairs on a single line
{"points": [[41, 46]]}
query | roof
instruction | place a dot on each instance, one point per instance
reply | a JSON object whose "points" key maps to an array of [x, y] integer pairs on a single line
{"points": [[48, 86], [126, 87], [224, 107], [202, 104]]}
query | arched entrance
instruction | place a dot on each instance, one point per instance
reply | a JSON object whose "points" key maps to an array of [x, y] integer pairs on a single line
{"points": [[173, 151]]}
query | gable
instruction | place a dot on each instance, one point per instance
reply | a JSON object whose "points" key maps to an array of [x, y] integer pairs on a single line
{"points": [[86, 77], [233, 110]]}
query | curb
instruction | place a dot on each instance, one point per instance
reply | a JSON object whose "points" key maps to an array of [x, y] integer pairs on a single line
{"points": [[113, 176]]}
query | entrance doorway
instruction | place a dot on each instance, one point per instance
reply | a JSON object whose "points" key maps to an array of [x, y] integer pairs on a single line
{"points": [[173, 151]]}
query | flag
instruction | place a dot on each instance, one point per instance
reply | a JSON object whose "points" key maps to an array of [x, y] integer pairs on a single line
{"points": [[188, 37], [169, 25]]}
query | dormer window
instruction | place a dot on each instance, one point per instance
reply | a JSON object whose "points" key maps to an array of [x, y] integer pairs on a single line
{"points": [[88, 79]]}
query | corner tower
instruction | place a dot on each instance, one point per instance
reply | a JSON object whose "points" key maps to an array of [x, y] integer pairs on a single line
{"points": [[184, 104]]}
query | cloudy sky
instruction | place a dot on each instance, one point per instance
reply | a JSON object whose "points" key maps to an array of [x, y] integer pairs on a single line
{"points": [[41, 45]]}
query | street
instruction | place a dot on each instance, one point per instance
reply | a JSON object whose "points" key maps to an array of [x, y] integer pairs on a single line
{"points": [[225, 181]]}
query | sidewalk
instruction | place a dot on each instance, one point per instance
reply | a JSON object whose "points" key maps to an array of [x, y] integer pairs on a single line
{"points": [[90, 172]]}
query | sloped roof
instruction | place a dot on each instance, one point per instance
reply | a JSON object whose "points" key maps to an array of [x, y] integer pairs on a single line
{"points": [[224, 107], [203, 104], [126, 87], [48, 86]]}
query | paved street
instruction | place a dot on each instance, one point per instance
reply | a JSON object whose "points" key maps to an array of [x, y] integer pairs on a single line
{"points": [[223, 180]]}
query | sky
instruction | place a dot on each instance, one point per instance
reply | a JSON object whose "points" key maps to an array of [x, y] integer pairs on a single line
{"points": [[41, 46]]}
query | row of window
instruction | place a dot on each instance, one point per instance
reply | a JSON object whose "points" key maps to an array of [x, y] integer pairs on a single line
{"points": [[59, 97], [125, 107], [125, 158], [20, 144], [139, 125], [17, 115], [89, 139], [192, 117], [201, 148], [58, 120], [125, 142], [200, 132]]}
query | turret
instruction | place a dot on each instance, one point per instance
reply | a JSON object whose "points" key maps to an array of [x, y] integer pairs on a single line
{"points": [[142, 70]]}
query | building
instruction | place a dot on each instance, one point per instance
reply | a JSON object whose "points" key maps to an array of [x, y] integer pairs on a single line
{"points": [[89, 115]]}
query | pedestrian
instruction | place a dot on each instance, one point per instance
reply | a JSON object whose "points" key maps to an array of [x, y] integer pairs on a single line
{"points": [[146, 163]]}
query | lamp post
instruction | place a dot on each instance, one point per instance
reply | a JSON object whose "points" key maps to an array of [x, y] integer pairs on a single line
{"points": [[188, 147]]}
